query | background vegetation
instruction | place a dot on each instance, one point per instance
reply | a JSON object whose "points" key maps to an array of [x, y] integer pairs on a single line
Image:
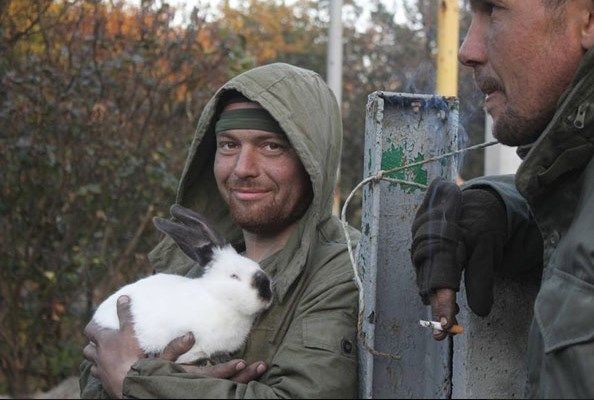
{"points": [[98, 102]]}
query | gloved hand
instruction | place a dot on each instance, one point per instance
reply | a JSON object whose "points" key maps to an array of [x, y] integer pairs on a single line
{"points": [[458, 230]]}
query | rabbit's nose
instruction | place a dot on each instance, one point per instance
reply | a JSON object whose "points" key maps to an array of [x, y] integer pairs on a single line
{"points": [[261, 282]]}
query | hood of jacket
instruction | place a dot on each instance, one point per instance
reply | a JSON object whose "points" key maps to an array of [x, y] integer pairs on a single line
{"points": [[567, 143], [307, 111]]}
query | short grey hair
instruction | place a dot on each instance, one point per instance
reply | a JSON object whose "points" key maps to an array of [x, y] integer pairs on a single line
{"points": [[554, 3]]}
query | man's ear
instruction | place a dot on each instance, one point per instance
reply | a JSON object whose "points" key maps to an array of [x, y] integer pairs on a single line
{"points": [[588, 25]]}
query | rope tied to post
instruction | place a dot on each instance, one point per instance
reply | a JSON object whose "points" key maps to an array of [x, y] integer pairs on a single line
{"points": [[377, 178]]}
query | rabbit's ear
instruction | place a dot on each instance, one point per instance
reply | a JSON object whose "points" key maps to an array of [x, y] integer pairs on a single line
{"points": [[198, 222], [191, 241]]}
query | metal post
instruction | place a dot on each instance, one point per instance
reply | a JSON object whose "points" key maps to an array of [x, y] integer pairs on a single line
{"points": [[401, 129], [448, 27], [334, 73], [334, 62]]}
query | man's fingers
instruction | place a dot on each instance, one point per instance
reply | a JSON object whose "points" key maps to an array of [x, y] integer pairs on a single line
{"points": [[250, 373], [220, 371], [444, 310], [177, 347], [236, 370], [443, 305], [90, 353], [439, 335], [92, 330], [227, 370], [125, 314], [447, 323], [95, 371]]}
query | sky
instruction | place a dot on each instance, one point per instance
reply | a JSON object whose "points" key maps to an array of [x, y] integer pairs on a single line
{"points": [[184, 7]]}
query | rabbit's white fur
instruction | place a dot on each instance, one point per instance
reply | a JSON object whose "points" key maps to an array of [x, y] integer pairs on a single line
{"points": [[218, 308]]}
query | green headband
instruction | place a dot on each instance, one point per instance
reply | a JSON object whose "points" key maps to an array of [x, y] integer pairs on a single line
{"points": [[248, 118]]}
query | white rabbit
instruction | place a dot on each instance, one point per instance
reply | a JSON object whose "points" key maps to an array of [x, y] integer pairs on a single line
{"points": [[218, 308]]}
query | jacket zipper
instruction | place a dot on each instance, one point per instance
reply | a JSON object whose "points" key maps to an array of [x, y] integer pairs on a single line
{"points": [[580, 117]]}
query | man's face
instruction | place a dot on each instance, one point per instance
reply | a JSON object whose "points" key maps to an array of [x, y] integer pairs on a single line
{"points": [[524, 56], [261, 178]]}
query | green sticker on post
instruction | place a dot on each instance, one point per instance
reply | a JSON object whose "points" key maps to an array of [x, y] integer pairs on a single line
{"points": [[394, 158]]}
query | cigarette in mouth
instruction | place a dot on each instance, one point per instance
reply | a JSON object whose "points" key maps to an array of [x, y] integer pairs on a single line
{"points": [[437, 326]]}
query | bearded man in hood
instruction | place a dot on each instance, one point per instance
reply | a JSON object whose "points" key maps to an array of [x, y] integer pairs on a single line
{"points": [[262, 166]]}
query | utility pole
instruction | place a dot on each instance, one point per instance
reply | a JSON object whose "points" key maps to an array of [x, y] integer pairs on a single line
{"points": [[334, 73], [499, 159], [448, 36], [448, 28]]}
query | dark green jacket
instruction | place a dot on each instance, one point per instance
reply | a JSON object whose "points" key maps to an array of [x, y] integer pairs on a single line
{"points": [[556, 180], [308, 336]]}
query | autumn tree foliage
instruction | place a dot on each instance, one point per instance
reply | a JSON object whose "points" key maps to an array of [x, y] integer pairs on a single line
{"points": [[98, 103]]}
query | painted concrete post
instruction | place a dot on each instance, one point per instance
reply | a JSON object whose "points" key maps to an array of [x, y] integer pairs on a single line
{"points": [[401, 129], [489, 358]]}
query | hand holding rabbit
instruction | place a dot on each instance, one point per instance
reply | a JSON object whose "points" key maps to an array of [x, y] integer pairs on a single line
{"points": [[114, 351], [218, 308], [236, 370]]}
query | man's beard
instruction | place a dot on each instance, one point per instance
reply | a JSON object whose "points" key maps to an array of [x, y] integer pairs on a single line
{"points": [[513, 129], [268, 219]]}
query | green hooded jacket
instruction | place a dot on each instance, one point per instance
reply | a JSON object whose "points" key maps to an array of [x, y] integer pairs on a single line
{"points": [[556, 182], [308, 336]]}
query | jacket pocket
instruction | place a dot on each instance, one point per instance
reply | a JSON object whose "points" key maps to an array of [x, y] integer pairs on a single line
{"points": [[564, 311], [333, 334]]}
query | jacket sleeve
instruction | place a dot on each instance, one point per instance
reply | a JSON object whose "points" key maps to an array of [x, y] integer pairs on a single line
{"points": [[90, 387], [316, 358], [523, 252]]}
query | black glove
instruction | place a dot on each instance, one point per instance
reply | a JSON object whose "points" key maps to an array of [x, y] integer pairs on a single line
{"points": [[455, 230], [437, 239]]}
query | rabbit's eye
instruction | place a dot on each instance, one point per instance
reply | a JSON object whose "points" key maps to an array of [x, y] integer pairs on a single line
{"points": [[234, 276]]}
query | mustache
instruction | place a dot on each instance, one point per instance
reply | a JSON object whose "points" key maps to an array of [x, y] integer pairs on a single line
{"points": [[243, 183], [488, 84]]}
